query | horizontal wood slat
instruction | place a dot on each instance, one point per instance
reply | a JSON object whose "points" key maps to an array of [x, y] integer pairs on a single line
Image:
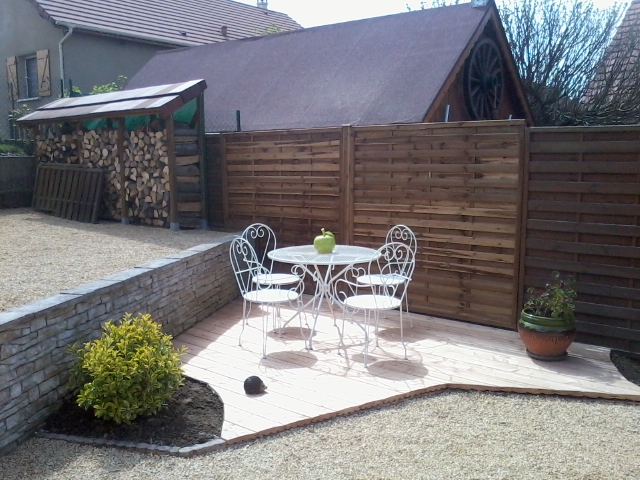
{"points": [[69, 191], [583, 219], [455, 185]]}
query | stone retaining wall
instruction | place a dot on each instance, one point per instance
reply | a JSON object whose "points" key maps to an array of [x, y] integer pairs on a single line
{"points": [[178, 291]]}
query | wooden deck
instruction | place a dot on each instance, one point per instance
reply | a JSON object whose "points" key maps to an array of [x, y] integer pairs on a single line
{"points": [[308, 386]]}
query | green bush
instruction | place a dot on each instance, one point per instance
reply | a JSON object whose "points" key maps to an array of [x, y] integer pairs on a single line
{"points": [[11, 149], [132, 370]]}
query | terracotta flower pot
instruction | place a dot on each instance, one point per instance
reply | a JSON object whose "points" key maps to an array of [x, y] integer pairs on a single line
{"points": [[546, 338]]}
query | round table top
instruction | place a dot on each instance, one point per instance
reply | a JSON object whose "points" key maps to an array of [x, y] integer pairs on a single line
{"points": [[307, 255]]}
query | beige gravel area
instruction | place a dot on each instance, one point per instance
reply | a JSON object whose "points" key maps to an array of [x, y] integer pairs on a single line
{"points": [[453, 435], [42, 255]]}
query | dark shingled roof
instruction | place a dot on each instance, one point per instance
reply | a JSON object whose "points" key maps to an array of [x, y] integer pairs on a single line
{"points": [[375, 71], [174, 22]]}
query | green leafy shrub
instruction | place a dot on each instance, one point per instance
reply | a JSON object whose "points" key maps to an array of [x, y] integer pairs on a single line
{"points": [[131, 370], [12, 149], [555, 301]]}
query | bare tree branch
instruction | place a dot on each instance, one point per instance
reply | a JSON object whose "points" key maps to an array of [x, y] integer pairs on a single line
{"points": [[574, 67]]}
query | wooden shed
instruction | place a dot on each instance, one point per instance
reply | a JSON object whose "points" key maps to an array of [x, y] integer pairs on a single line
{"points": [[140, 150], [450, 63]]}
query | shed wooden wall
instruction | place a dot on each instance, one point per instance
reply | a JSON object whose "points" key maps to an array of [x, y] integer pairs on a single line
{"points": [[583, 218]]}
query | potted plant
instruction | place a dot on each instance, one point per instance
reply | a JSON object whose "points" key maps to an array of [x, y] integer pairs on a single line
{"points": [[547, 323]]}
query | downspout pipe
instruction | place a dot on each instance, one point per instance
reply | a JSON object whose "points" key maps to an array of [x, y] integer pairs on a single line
{"points": [[61, 53]]}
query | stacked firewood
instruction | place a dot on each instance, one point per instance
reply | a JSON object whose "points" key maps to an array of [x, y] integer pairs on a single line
{"points": [[147, 187], [147, 176]]}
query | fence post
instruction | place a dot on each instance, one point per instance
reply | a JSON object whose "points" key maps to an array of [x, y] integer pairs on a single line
{"points": [[347, 169], [173, 177], [124, 210], [521, 226]]}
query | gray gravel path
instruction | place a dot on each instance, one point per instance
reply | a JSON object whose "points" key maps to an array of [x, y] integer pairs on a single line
{"points": [[453, 435]]}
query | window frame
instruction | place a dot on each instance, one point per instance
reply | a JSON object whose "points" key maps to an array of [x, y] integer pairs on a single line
{"points": [[23, 77]]}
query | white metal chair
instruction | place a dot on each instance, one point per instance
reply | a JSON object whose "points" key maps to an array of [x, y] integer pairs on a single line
{"points": [[392, 270], [401, 234], [263, 240], [247, 268]]}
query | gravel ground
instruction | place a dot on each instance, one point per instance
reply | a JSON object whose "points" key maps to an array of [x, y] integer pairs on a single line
{"points": [[452, 435], [41, 255]]}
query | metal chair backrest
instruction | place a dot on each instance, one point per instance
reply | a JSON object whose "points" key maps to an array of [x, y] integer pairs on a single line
{"points": [[245, 264], [402, 234], [263, 239], [395, 265]]}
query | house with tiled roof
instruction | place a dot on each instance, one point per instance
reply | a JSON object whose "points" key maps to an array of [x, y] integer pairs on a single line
{"points": [[49, 43], [442, 64], [620, 70]]}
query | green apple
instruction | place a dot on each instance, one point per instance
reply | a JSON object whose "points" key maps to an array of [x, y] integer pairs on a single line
{"points": [[325, 243]]}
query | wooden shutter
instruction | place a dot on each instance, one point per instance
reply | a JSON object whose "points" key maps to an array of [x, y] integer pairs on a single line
{"points": [[12, 78], [44, 76]]}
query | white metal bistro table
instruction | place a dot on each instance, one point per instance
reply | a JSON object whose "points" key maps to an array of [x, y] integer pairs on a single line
{"points": [[307, 258]]}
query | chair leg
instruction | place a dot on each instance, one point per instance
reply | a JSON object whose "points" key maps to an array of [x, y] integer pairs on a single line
{"points": [[406, 304], [367, 317], [245, 312], [265, 325], [404, 344], [244, 322]]}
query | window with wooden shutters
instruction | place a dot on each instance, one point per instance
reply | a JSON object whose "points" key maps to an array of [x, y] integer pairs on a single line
{"points": [[44, 76], [31, 77], [12, 78]]}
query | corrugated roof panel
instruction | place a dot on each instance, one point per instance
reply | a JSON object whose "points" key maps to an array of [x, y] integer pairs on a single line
{"points": [[162, 99]]}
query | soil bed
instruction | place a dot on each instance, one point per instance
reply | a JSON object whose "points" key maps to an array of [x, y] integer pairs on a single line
{"points": [[194, 415]]}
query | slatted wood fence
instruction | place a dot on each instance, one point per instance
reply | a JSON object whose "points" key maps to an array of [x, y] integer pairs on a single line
{"points": [[69, 191], [583, 218], [496, 208], [455, 184], [457, 187]]}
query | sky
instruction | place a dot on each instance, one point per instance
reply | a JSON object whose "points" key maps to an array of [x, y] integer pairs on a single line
{"points": [[311, 13]]}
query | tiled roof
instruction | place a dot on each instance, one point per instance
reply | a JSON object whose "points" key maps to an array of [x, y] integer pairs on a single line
{"points": [[374, 71], [177, 22], [621, 54]]}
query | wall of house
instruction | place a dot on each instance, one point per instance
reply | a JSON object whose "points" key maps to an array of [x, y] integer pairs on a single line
{"points": [[108, 58], [22, 33], [89, 59], [178, 291]]}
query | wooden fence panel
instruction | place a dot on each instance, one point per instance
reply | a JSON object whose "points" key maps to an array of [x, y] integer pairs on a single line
{"points": [[583, 218], [289, 180], [457, 187]]}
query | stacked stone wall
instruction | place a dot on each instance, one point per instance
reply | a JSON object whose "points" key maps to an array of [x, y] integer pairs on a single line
{"points": [[178, 291]]}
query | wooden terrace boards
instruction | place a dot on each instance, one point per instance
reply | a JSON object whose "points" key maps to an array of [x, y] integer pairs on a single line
{"points": [[309, 386]]}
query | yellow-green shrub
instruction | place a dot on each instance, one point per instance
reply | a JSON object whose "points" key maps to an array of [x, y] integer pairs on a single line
{"points": [[132, 370]]}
